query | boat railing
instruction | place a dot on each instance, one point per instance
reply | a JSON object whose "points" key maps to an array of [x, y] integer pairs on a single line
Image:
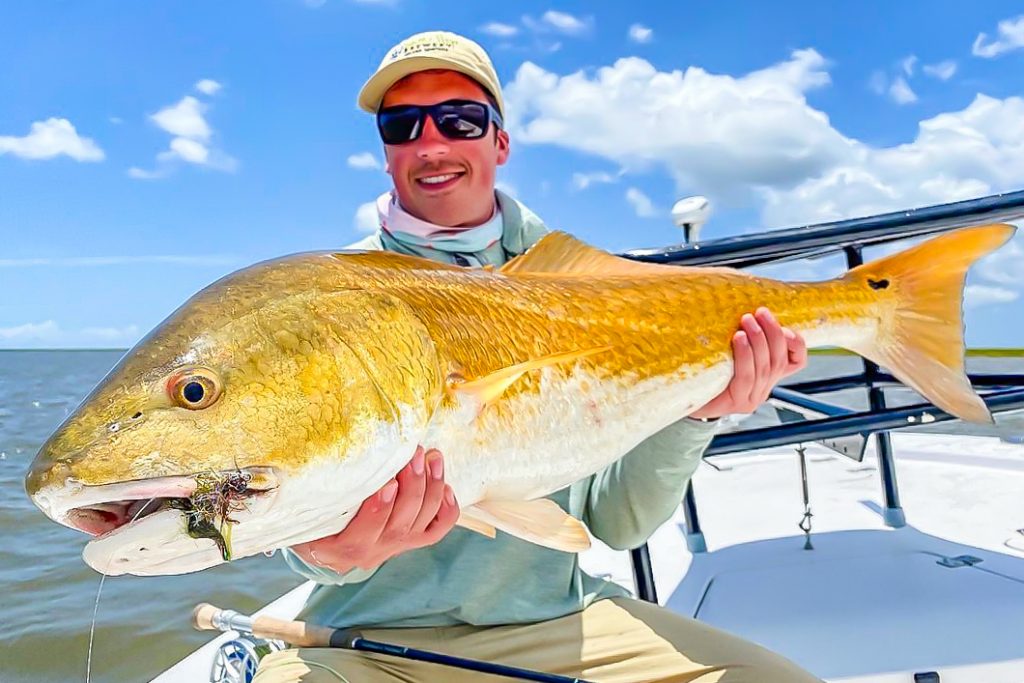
{"points": [[810, 418]]}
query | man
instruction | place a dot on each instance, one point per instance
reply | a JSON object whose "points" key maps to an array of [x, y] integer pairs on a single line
{"points": [[399, 571]]}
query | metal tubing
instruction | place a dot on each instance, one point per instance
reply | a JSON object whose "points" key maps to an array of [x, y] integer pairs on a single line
{"points": [[866, 422], [821, 386], [792, 243], [859, 381], [893, 513], [799, 399], [643, 574], [694, 534]]}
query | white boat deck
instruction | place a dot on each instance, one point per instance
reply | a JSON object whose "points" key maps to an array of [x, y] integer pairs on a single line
{"points": [[868, 603]]}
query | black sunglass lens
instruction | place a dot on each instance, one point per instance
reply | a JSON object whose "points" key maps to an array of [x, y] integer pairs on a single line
{"points": [[467, 120], [399, 125]]}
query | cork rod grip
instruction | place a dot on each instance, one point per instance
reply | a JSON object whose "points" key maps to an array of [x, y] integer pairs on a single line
{"points": [[206, 617]]}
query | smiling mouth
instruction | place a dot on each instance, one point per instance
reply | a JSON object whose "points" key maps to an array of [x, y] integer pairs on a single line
{"points": [[439, 181]]}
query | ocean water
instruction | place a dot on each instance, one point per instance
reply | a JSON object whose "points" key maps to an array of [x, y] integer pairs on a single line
{"points": [[142, 624]]}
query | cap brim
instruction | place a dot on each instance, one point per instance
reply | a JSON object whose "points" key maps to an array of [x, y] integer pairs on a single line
{"points": [[373, 90]]}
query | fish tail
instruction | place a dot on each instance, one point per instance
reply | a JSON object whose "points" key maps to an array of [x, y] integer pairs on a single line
{"points": [[920, 336]]}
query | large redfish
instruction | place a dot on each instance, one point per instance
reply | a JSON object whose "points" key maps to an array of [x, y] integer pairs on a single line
{"points": [[271, 404]]}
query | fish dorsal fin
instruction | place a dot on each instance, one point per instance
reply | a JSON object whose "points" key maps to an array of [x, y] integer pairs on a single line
{"points": [[558, 253], [539, 521]]}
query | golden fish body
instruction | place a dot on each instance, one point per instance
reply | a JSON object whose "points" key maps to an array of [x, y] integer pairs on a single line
{"points": [[317, 375]]}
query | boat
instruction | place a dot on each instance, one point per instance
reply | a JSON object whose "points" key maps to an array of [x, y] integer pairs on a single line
{"points": [[796, 533]]}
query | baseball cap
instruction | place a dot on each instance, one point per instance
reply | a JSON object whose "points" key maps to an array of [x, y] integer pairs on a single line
{"points": [[431, 50]]}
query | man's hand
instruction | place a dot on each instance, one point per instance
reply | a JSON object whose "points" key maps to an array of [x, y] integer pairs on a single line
{"points": [[413, 510], [764, 353]]}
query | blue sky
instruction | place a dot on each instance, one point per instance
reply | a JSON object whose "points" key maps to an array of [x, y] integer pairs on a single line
{"points": [[148, 148]]}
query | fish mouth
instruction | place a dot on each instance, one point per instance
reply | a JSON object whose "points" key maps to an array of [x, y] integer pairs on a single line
{"points": [[152, 522], [101, 519]]}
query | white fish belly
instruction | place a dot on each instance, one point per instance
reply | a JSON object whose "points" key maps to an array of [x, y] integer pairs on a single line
{"points": [[564, 432]]}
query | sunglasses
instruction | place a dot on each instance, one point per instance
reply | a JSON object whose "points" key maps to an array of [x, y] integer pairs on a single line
{"points": [[455, 119]]}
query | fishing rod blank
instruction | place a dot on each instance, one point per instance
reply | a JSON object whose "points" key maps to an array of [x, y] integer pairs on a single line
{"points": [[206, 617]]}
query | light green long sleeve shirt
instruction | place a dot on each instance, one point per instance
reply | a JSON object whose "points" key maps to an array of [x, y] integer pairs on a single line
{"points": [[467, 578]]}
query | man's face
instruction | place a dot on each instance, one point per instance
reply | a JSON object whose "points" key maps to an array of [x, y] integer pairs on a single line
{"points": [[467, 198]]}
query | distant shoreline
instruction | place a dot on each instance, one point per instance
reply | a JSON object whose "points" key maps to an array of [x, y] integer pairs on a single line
{"points": [[982, 352]]}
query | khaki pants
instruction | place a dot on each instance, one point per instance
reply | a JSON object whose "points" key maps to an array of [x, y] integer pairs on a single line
{"points": [[612, 641]]}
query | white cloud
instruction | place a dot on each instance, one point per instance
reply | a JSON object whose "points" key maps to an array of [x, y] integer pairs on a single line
{"points": [[314, 4], [116, 120], [189, 150], [639, 33], [1011, 37], [565, 23], [365, 219], [956, 155], [538, 37], [1006, 266], [50, 333], [364, 161], [582, 181], [184, 119], [715, 134], [900, 92], [30, 331], [496, 28], [558, 22], [641, 203], [754, 140], [907, 64], [143, 174], [943, 71], [128, 333], [208, 86], [51, 138], [982, 295]]}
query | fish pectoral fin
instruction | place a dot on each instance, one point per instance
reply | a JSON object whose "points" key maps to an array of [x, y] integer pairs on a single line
{"points": [[489, 388], [539, 521], [468, 521]]}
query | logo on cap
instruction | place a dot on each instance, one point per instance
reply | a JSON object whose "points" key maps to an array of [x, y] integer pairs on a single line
{"points": [[425, 44]]}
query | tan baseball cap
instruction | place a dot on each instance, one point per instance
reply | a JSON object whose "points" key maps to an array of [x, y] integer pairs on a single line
{"points": [[431, 50]]}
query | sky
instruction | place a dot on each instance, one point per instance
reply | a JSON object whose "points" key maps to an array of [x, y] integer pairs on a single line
{"points": [[146, 149]]}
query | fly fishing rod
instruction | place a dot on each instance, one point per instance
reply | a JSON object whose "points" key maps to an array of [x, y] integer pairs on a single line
{"points": [[207, 617]]}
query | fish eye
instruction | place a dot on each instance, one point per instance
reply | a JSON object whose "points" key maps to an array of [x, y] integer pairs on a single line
{"points": [[194, 389]]}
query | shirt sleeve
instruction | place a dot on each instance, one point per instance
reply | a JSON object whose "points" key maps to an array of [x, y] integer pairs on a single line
{"points": [[628, 500], [322, 574]]}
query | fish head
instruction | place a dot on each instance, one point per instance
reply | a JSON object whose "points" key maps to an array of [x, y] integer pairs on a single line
{"points": [[247, 421]]}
